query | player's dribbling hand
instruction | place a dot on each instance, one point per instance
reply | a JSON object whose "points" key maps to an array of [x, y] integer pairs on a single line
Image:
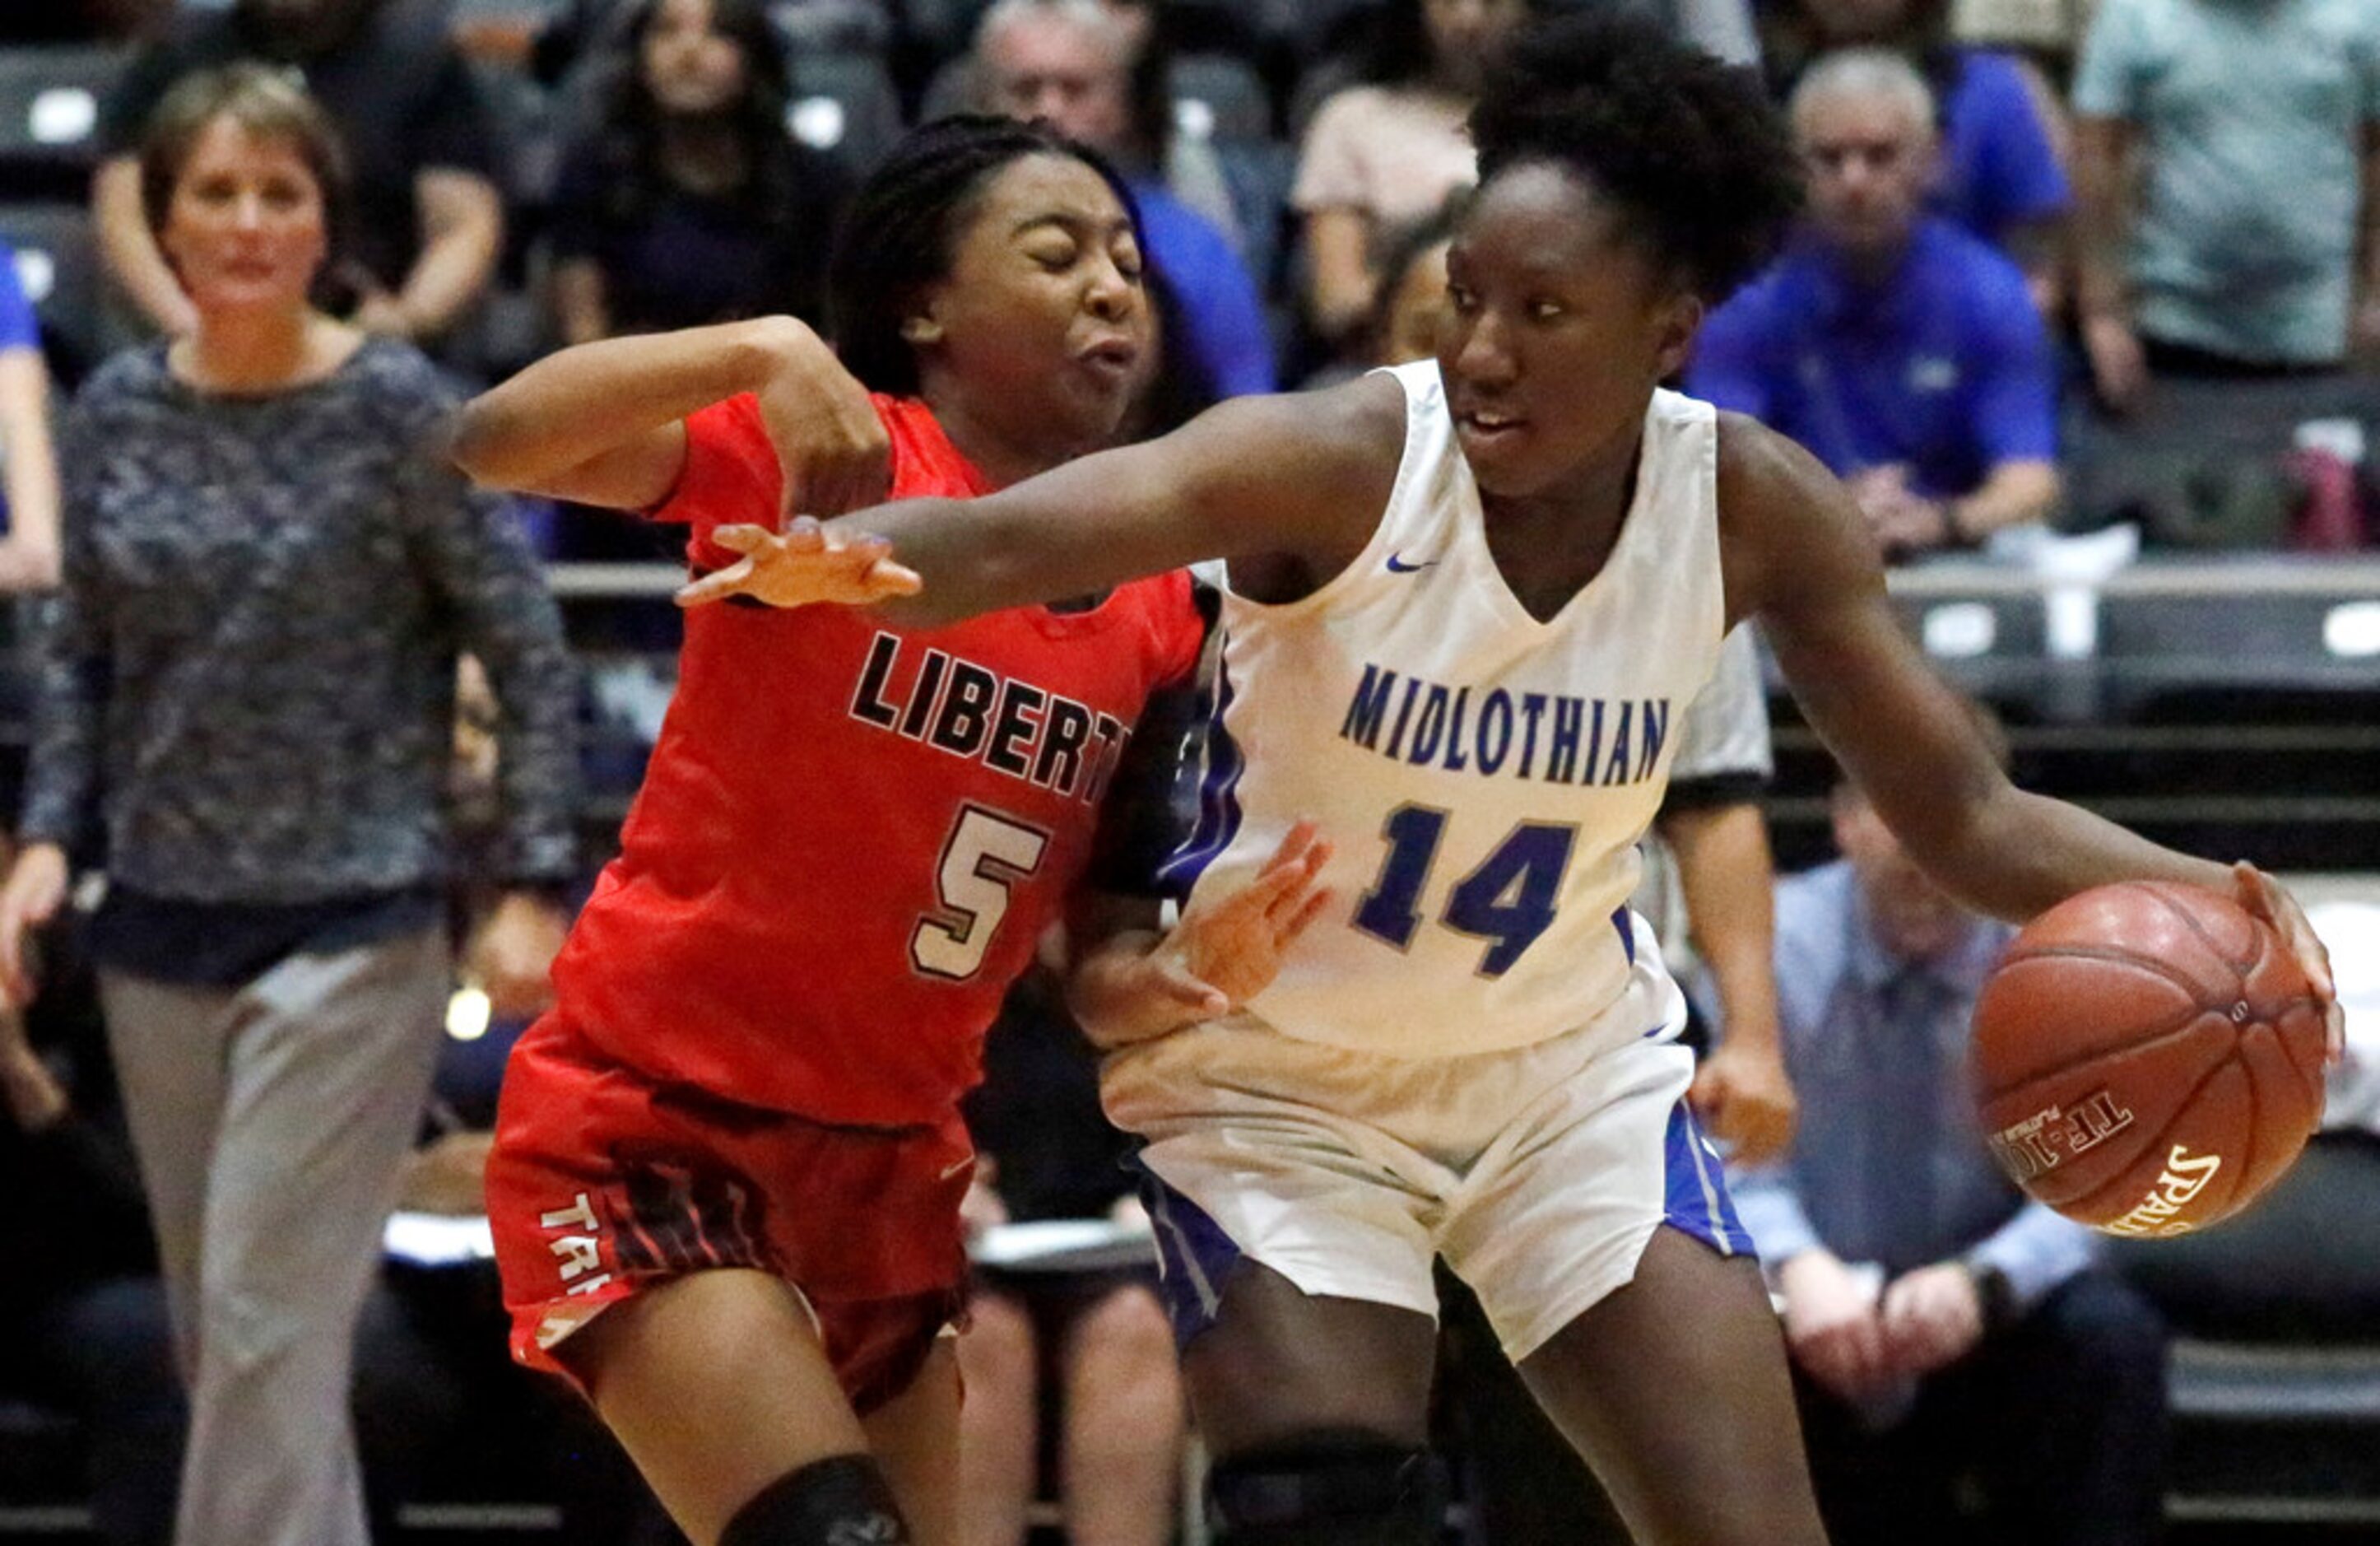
{"points": [[2265, 899], [1932, 1317], [1227, 949], [803, 566], [1743, 1096], [36, 890]]}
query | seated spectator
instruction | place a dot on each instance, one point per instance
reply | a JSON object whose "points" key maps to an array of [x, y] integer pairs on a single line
{"points": [[2001, 127], [426, 221], [2251, 136], [1070, 62], [688, 202], [82, 1312], [1387, 151], [1943, 1330], [1093, 1345], [1901, 350]]}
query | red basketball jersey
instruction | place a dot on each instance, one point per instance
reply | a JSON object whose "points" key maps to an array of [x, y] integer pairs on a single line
{"points": [[850, 834]]}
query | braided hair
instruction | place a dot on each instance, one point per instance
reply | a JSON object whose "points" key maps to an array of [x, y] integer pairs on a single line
{"points": [[1690, 151], [901, 230]]}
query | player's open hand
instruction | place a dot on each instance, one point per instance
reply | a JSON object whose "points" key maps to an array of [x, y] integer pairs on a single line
{"points": [[1233, 944], [1227, 949], [832, 447], [2264, 898], [1743, 1096], [803, 566]]}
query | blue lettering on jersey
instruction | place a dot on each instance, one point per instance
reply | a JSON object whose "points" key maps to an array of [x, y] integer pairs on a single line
{"points": [[972, 711], [1600, 741]]}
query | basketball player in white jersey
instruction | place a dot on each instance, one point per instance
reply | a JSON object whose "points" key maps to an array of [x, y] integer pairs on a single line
{"points": [[1466, 602]]}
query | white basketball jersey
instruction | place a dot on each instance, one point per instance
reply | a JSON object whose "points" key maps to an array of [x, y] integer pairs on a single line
{"points": [[1483, 777]]}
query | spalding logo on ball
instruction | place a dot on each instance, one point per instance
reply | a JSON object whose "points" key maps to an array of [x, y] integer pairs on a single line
{"points": [[2148, 1058]]}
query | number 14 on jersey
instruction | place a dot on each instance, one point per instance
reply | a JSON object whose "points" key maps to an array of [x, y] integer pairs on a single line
{"points": [[1507, 898]]}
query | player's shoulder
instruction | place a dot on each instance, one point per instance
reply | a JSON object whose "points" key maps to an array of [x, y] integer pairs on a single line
{"points": [[1759, 468]]}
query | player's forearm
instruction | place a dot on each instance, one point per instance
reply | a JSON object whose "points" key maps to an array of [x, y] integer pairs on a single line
{"points": [[2019, 854], [574, 406]]}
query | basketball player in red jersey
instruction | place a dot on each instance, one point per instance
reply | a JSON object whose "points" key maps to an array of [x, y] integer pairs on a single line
{"points": [[728, 1166]]}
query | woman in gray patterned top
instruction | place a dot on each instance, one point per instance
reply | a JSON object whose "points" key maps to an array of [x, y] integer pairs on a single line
{"points": [[270, 572]]}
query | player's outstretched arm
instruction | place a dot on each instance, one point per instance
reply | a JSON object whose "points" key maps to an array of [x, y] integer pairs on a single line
{"points": [[1798, 556], [603, 423], [1137, 981], [1303, 475]]}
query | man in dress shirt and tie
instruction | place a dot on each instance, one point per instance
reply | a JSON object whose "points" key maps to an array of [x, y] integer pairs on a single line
{"points": [[1953, 1344]]}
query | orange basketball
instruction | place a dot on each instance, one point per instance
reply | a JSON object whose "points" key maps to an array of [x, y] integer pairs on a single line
{"points": [[2148, 1058]]}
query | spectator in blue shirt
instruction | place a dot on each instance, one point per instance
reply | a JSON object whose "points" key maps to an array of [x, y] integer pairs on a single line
{"points": [[2001, 177], [1070, 62], [1905, 354], [1941, 1326]]}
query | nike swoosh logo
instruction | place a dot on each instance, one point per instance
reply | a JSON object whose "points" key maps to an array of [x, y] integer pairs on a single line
{"points": [[1397, 566]]}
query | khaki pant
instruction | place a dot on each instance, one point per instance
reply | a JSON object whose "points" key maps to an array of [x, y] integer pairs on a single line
{"points": [[271, 1120]]}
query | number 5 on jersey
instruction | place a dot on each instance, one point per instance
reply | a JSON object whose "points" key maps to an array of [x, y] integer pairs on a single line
{"points": [[1509, 897], [986, 855]]}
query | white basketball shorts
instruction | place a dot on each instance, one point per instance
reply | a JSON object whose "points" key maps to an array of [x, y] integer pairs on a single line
{"points": [[1539, 1172]]}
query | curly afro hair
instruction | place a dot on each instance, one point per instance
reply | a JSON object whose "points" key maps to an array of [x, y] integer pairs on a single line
{"points": [[1699, 162]]}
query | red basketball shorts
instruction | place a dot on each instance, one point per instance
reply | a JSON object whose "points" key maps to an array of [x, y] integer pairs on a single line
{"points": [[603, 1183]]}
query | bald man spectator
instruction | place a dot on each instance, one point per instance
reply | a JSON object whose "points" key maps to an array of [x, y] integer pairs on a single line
{"points": [[422, 239], [2251, 132], [1902, 351], [1070, 62]]}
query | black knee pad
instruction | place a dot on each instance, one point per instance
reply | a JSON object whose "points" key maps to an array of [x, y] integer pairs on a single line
{"points": [[1349, 1488], [840, 1501]]}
